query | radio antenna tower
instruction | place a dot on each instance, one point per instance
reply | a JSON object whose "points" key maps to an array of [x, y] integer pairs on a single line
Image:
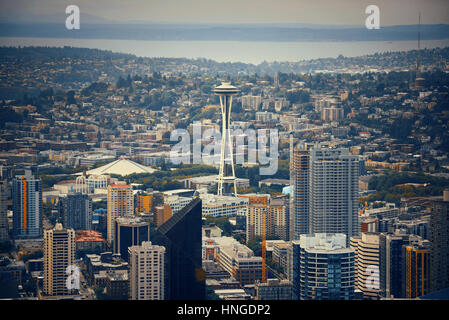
{"points": [[418, 61]]}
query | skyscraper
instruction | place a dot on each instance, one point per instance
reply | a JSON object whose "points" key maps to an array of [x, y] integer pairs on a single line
{"points": [[3, 211], [322, 267], [226, 174], [299, 179], [281, 206], [333, 193], [181, 237], [366, 249], [120, 203], [59, 253], [27, 206], [439, 237], [146, 272], [415, 269], [76, 211], [129, 231], [390, 264]]}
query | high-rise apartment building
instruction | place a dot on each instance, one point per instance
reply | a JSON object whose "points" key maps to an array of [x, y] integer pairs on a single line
{"points": [[333, 192], [181, 236], [59, 254], [120, 203], [27, 206], [281, 205], [276, 221], [76, 210], [439, 237], [250, 102], [146, 272], [332, 114], [366, 249], [129, 231], [390, 264], [4, 229], [299, 180], [415, 269], [322, 267]]}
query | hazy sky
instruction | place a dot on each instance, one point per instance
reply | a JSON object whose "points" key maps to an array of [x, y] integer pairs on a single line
{"points": [[392, 12]]}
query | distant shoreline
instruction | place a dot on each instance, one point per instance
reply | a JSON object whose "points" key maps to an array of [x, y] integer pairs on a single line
{"points": [[252, 52], [211, 32]]}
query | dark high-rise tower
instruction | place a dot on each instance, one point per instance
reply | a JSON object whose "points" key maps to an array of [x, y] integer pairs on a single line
{"points": [[415, 269], [390, 264], [76, 211], [128, 232], [181, 237], [439, 237], [4, 237]]}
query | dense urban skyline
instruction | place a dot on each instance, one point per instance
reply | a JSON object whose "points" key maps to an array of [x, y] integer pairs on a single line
{"points": [[124, 177]]}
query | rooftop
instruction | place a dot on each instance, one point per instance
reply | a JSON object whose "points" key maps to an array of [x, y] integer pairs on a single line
{"points": [[122, 167]]}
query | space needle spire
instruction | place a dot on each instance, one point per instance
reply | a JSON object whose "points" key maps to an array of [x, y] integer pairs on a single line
{"points": [[226, 174]]}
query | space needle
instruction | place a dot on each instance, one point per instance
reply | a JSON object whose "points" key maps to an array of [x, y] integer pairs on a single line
{"points": [[226, 175]]}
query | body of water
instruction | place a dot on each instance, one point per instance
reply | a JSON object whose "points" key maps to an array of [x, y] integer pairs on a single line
{"points": [[231, 51]]}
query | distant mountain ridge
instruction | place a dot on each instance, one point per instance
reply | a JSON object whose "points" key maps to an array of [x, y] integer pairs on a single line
{"points": [[220, 32]]}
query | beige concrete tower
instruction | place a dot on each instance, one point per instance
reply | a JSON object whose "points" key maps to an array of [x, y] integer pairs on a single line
{"points": [[146, 272], [59, 253], [120, 203]]}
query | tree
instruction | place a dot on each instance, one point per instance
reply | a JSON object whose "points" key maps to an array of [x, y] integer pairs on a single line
{"points": [[256, 245], [9, 115]]}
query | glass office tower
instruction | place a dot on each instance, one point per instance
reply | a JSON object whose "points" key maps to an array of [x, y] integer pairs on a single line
{"points": [[181, 237]]}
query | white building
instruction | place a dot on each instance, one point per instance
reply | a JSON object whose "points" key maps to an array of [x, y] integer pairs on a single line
{"points": [[223, 206], [146, 272], [333, 192], [321, 267], [176, 202], [251, 102]]}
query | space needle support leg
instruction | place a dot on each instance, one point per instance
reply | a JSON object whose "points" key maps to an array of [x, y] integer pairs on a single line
{"points": [[223, 142], [231, 147]]}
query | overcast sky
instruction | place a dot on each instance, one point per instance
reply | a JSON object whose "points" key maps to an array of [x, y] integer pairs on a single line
{"points": [[392, 12]]}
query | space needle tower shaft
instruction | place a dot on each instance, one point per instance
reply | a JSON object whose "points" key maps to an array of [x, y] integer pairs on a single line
{"points": [[226, 175]]}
